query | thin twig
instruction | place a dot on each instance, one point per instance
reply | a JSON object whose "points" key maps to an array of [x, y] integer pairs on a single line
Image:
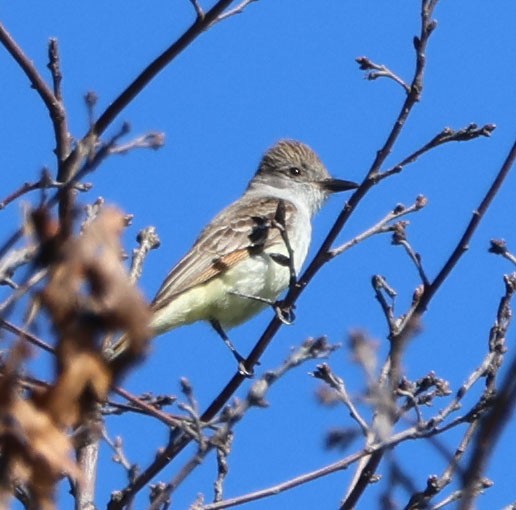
{"points": [[148, 408], [416, 258], [44, 182], [463, 243], [325, 373], [119, 456], [198, 9], [156, 66], [68, 171], [398, 340], [232, 12], [381, 227], [311, 349], [435, 484], [499, 247], [380, 71], [488, 369], [63, 138], [157, 402], [22, 289], [458, 495], [153, 140], [493, 423], [192, 410], [381, 287], [148, 240], [153, 411], [409, 434], [55, 68], [54, 105], [12, 261], [447, 135], [222, 467], [369, 466]]}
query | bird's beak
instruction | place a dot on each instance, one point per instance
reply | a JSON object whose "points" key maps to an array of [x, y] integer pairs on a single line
{"points": [[337, 185]]}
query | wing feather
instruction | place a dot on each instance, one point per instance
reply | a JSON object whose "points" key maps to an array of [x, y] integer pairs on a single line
{"points": [[232, 236]]}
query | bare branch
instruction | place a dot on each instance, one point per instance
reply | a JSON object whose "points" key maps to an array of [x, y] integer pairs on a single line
{"points": [[44, 182], [408, 434], [499, 247], [69, 169], [232, 12], [457, 495], [463, 243], [325, 373], [493, 423], [90, 153], [399, 237], [147, 240], [198, 9], [12, 261], [87, 441], [311, 349], [380, 71], [222, 467], [55, 68], [468, 133], [149, 141], [428, 25], [91, 99], [382, 226], [52, 102], [369, 466], [22, 289], [435, 484], [119, 456], [156, 66], [156, 402], [151, 410], [381, 287], [63, 138]]}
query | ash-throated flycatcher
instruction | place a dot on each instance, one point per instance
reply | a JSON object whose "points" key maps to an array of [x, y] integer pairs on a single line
{"points": [[241, 260]]}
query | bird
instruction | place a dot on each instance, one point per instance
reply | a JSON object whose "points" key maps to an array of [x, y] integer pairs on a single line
{"points": [[252, 250]]}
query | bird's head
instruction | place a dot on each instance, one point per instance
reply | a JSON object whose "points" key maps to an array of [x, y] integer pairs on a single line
{"points": [[295, 171]]}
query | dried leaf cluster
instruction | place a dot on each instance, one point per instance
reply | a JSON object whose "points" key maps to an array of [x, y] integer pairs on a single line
{"points": [[87, 294]]}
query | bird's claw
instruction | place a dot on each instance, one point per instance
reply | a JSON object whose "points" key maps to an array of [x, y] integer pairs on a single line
{"points": [[243, 370], [285, 313]]}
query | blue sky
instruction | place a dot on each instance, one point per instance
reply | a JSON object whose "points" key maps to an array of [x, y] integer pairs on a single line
{"points": [[287, 69]]}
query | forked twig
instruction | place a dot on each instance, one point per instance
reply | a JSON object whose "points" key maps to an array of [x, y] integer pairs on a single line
{"points": [[232, 12], [376, 71]]}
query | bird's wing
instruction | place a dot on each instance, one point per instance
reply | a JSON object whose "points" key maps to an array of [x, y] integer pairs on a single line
{"points": [[232, 236]]}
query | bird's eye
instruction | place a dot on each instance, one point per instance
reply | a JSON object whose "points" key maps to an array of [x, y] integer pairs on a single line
{"points": [[294, 170]]}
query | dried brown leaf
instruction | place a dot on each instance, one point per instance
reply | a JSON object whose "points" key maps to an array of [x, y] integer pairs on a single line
{"points": [[36, 452], [88, 295]]}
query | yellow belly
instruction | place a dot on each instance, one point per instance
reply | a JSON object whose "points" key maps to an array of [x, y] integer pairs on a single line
{"points": [[222, 297]]}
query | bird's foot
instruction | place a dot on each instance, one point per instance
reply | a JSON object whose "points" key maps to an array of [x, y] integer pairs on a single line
{"points": [[285, 313]]}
